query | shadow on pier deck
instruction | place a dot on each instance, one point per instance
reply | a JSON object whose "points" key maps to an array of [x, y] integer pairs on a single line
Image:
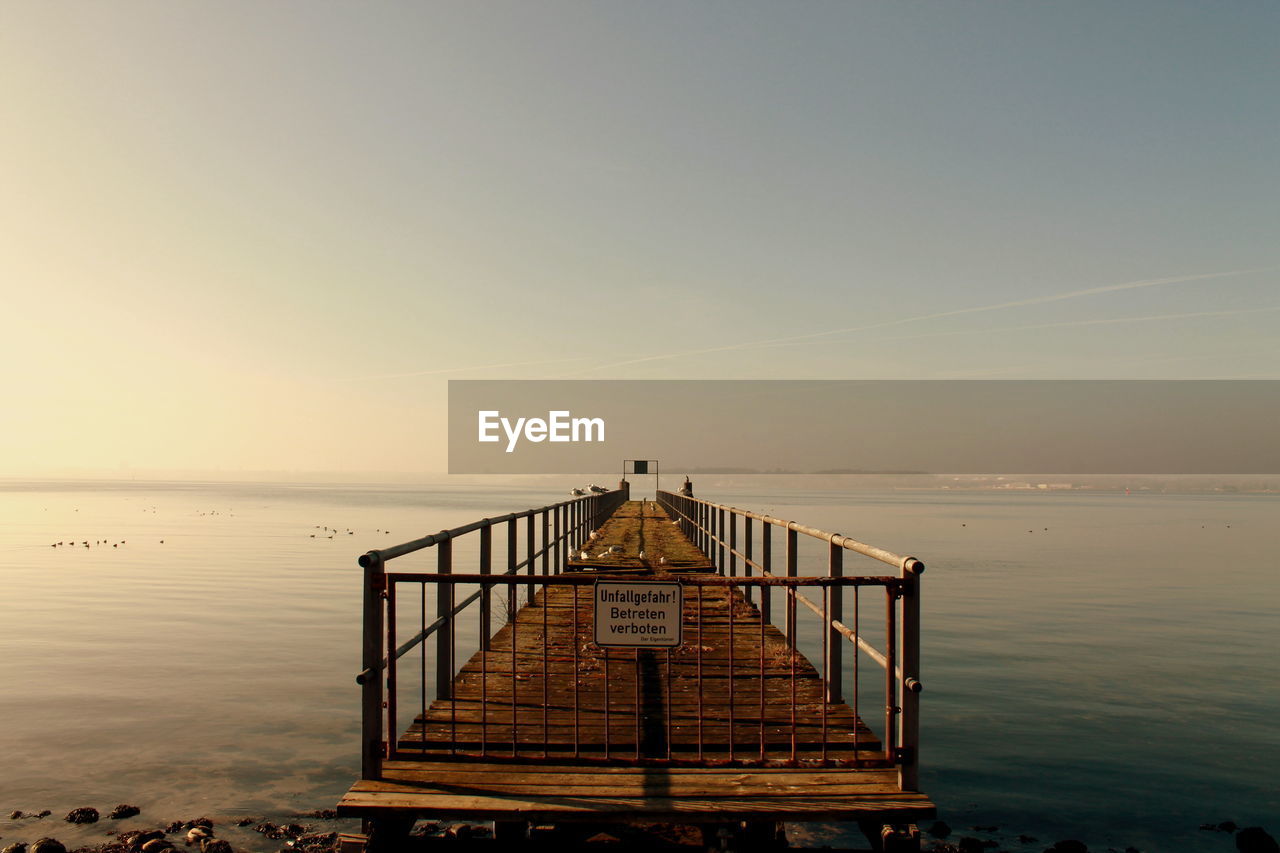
{"points": [[734, 726]]}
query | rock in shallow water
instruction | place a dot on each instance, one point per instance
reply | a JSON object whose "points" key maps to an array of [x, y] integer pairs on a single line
{"points": [[85, 814], [1070, 846], [196, 834], [124, 810], [47, 845]]}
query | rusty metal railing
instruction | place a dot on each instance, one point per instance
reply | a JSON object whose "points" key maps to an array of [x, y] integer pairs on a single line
{"points": [[738, 690], [735, 692], [728, 536], [537, 542]]}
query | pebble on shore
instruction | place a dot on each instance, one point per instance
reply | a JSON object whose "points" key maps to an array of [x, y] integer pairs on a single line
{"points": [[1254, 839]]}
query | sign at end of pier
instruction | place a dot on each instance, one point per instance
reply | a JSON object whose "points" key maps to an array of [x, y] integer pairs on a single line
{"points": [[638, 614]]}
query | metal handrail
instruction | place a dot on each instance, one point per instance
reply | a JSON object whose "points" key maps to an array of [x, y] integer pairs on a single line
{"points": [[882, 554], [382, 555], [705, 523]]}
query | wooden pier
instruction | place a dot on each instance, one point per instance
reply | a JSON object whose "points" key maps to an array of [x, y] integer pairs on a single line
{"points": [[733, 727]]}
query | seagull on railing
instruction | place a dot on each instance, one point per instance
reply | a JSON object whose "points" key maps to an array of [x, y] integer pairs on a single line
{"points": [[577, 493], [599, 490]]}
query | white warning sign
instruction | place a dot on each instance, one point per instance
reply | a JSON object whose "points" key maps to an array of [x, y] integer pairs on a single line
{"points": [[638, 613]]}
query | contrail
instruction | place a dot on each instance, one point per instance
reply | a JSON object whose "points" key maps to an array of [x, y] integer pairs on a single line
{"points": [[1098, 322], [1018, 303], [462, 369], [1104, 321]]}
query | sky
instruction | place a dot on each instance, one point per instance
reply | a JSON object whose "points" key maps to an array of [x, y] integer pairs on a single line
{"points": [[262, 237]]}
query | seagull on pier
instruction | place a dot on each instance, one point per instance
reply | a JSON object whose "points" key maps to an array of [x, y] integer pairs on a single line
{"points": [[577, 493], [599, 490]]}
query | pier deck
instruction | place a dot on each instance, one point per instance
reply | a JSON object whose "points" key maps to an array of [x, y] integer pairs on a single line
{"points": [[545, 726]]}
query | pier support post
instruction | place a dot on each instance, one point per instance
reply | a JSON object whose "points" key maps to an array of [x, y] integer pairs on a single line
{"points": [[909, 754], [371, 689]]}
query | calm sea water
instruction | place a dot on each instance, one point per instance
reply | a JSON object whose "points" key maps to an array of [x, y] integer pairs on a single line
{"points": [[1097, 665]]}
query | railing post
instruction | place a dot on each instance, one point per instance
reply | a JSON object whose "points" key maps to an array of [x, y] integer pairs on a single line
{"points": [[891, 706], [546, 542], [909, 764], [766, 568], [706, 529], [733, 544], [511, 568], [746, 561], [371, 657], [835, 642], [444, 608], [792, 547], [720, 537], [529, 560], [486, 591], [560, 550]]}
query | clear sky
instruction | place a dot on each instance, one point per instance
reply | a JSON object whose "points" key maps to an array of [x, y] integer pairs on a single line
{"points": [[248, 236]]}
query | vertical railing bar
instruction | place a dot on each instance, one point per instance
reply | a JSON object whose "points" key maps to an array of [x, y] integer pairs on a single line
{"points": [[834, 673], [637, 689], [746, 564], [732, 697], [453, 700], [515, 684], [486, 594], [766, 568], [700, 645], [530, 547], [546, 673], [607, 721], [559, 562], [484, 689], [720, 539], [666, 704], [512, 536], [422, 661], [857, 716], [733, 544], [826, 662], [392, 685], [791, 646], [444, 639], [546, 544], [891, 664], [486, 629], [762, 693], [577, 738], [793, 546]]}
